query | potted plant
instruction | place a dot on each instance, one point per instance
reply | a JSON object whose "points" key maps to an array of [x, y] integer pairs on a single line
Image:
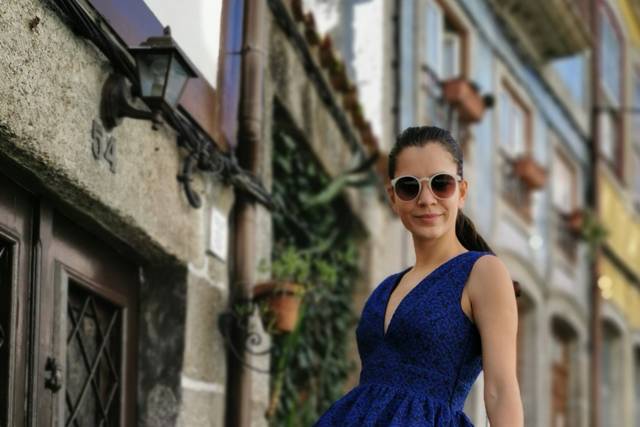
{"points": [[575, 220], [350, 98], [328, 57], [461, 93], [339, 79], [527, 169], [310, 29], [357, 115], [280, 297], [592, 231]]}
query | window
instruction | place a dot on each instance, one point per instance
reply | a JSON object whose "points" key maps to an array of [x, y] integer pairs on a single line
{"points": [[564, 195], [609, 138], [513, 124], [443, 43], [573, 74], [564, 184], [434, 37], [514, 133], [610, 58], [611, 62], [563, 376]]}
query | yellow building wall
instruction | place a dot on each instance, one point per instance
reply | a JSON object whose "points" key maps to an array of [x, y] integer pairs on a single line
{"points": [[623, 226], [624, 241], [620, 292], [630, 20]]}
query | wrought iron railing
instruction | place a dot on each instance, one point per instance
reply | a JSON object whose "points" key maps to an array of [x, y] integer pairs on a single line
{"points": [[514, 190], [566, 239]]}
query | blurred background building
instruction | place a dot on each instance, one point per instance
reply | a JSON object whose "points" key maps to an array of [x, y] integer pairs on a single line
{"points": [[125, 293]]}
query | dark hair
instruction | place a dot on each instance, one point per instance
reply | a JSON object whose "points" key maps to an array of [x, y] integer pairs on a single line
{"points": [[420, 136]]}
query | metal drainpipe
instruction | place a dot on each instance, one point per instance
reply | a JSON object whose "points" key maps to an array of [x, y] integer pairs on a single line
{"points": [[238, 413], [593, 201]]}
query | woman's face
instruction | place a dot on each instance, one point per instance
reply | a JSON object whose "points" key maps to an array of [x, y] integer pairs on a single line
{"points": [[427, 161]]}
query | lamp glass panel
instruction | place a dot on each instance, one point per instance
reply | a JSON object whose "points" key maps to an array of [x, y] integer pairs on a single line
{"points": [[152, 69], [177, 79]]}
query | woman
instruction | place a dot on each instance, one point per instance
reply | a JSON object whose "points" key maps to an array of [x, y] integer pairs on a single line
{"points": [[426, 332]]}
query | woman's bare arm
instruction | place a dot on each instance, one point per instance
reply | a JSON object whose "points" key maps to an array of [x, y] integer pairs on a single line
{"points": [[495, 313]]}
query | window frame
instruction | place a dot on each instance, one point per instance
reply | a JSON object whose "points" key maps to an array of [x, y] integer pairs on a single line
{"points": [[611, 102], [523, 203], [450, 24], [564, 239]]}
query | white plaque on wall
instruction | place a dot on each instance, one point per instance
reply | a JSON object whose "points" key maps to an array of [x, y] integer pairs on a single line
{"points": [[218, 234]]}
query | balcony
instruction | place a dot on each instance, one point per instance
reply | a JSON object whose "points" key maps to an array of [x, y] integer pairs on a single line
{"points": [[546, 29]]}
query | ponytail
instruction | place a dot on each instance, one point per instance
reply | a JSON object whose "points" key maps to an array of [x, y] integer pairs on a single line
{"points": [[471, 239]]}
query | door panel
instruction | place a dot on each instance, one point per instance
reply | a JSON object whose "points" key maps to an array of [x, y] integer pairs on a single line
{"points": [[94, 329], [16, 235]]}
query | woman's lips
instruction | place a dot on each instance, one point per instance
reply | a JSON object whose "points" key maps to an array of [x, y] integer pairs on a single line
{"points": [[429, 218]]}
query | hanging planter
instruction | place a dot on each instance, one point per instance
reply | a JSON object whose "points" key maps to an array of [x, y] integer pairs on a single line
{"points": [[531, 173], [281, 304], [465, 98]]}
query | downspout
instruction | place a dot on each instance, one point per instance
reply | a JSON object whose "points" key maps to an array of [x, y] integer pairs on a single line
{"points": [[593, 201], [250, 128]]}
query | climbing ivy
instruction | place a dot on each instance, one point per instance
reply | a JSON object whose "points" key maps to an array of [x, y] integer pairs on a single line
{"points": [[310, 365]]}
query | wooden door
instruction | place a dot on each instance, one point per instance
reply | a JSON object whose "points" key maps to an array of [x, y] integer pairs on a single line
{"points": [[68, 319]]}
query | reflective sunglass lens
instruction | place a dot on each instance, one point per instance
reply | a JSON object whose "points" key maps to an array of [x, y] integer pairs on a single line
{"points": [[443, 185], [407, 188]]}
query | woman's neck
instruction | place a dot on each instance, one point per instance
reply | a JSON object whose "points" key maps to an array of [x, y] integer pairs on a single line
{"points": [[431, 253]]}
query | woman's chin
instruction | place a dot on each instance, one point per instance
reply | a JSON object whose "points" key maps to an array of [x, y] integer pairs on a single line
{"points": [[426, 233]]}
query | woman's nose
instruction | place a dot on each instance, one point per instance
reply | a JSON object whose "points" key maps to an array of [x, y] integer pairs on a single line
{"points": [[426, 197]]}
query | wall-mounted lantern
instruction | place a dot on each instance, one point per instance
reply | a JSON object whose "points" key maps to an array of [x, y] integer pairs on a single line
{"points": [[163, 71]]}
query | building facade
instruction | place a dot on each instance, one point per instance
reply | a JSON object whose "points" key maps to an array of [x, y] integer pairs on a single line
{"points": [[125, 250]]}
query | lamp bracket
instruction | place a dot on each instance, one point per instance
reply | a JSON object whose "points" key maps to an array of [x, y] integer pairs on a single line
{"points": [[116, 103]]}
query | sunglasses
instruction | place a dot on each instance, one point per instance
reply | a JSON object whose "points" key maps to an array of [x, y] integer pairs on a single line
{"points": [[442, 185]]}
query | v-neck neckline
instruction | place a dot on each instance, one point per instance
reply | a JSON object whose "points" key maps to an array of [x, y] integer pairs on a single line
{"points": [[395, 285]]}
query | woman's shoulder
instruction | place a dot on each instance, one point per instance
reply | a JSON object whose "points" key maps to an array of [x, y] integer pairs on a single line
{"points": [[488, 275]]}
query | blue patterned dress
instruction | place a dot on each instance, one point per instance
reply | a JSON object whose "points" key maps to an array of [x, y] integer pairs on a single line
{"points": [[421, 370]]}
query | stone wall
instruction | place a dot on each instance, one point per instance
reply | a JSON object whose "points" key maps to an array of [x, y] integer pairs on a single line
{"points": [[50, 90]]}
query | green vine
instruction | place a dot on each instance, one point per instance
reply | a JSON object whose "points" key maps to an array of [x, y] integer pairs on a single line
{"points": [[310, 365], [592, 231]]}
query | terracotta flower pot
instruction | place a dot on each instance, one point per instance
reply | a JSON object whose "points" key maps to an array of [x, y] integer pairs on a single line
{"points": [[283, 303], [465, 98], [350, 98], [533, 175], [575, 219]]}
